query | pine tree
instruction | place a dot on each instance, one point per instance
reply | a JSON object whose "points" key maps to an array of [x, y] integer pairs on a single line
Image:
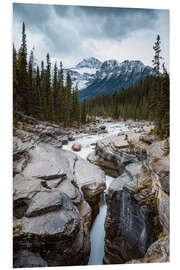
{"points": [[157, 57], [162, 125], [23, 76], [76, 108], [42, 92], [68, 100], [37, 88], [55, 93], [31, 97], [84, 111], [155, 94], [60, 92], [48, 94], [15, 79]]}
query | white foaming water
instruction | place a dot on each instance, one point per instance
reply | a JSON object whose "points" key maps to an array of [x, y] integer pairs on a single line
{"points": [[97, 232], [87, 140]]}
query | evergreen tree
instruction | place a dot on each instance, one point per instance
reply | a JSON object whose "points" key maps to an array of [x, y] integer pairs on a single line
{"points": [[162, 124], [84, 111], [15, 79], [155, 95], [60, 95], [22, 75], [67, 99], [55, 93], [37, 87], [42, 92], [31, 97], [76, 108], [157, 57], [48, 94]]}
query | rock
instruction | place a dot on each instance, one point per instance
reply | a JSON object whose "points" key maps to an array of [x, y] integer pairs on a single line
{"points": [[110, 155], [158, 163], [71, 138], [102, 127], [149, 139], [23, 191], [64, 140], [85, 212], [25, 258], [20, 155], [158, 252], [121, 133], [91, 181], [160, 248], [58, 231], [76, 147], [46, 201], [127, 225]]}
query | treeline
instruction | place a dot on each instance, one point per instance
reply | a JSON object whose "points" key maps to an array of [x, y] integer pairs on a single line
{"points": [[149, 100], [39, 94]]}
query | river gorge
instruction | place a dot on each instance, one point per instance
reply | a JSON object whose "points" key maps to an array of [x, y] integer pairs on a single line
{"points": [[107, 203]]}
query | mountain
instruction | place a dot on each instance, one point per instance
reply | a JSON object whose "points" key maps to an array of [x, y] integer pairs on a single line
{"points": [[113, 75], [84, 73], [91, 62]]}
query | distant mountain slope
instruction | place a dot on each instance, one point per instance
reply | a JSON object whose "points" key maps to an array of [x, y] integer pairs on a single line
{"points": [[83, 74], [113, 76]]}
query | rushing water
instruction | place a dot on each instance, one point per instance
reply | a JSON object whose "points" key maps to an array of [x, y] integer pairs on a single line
{"points": [[97, 232]]}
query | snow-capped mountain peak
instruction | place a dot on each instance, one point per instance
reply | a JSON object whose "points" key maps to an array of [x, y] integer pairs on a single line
{"points": [[91, 62], [91, 74], [113, 75]]}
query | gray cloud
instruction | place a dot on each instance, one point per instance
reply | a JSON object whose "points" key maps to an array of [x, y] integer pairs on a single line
{"points": [[67, 30]]}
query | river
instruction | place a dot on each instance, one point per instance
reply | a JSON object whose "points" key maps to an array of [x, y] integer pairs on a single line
{"points": [[97, 232]]}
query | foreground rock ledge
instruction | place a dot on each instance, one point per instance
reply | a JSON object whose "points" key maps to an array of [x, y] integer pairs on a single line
{"points": [[138, 200], [56, 196]]}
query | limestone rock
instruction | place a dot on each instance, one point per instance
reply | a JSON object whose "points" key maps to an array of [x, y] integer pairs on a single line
{"points": [[76, 146], [25, 258], [127, 225], [58, 231], [157, 252]]}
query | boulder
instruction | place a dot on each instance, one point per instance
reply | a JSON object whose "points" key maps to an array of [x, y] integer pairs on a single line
{"points": [[71, 138], [157, 252], [64, 140], [149, 139], [76, 147], [103, 127], [128, 225], [54, 230], [23, 191], [110, 155], [159, 164], [26, 258]]}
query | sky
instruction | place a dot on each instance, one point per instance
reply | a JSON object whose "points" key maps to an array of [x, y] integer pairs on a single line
{"points": [[72, 33]]}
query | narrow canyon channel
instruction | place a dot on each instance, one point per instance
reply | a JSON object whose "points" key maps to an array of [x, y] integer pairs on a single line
{"points": [[97, 232]]}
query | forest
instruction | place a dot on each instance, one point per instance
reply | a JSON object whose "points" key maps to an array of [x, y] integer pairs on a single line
{"points": [[52, 98]]}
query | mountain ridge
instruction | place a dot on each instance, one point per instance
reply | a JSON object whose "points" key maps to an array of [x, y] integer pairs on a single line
{"points": [[94, 77]]}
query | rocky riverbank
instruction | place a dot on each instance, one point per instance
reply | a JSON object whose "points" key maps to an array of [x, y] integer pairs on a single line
{"points": [[138, 199], [55, 198], [56, 194]]}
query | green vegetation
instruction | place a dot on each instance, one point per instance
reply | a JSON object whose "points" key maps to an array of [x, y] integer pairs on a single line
{"points": [[37, 94], [149, 100]]}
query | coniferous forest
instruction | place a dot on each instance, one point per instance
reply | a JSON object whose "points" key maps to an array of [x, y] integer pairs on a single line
{"points": [[38, 94], [149, 100], [47, 97]]}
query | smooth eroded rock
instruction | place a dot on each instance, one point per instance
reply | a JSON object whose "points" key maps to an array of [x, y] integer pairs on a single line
{"points": [[76, 147]]}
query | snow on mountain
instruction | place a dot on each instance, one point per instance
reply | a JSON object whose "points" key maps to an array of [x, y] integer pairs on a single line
{"points": [[113, 75], [96, 78], [84, 72], [91, 62]]}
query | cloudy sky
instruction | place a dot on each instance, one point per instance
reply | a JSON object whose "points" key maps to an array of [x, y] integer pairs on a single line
{"points": [[72, 33]]}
